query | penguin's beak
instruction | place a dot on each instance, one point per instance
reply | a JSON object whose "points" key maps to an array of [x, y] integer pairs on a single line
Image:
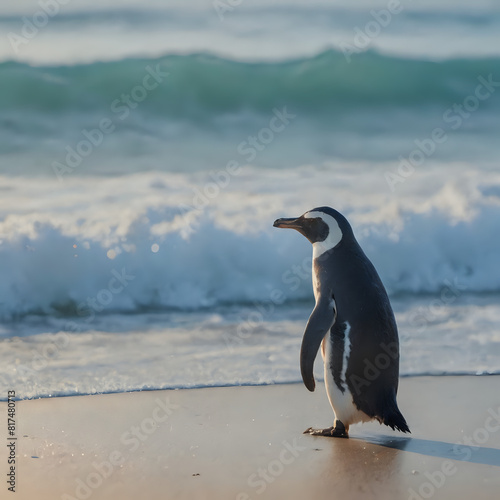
{"points": [[293, 223]]}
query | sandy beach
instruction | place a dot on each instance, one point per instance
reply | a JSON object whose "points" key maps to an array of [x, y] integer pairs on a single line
{"points": [[151, 314], [247, 442]]}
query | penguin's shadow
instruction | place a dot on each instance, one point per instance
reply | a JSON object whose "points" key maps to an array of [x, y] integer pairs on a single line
{"points": [[452, 451]]}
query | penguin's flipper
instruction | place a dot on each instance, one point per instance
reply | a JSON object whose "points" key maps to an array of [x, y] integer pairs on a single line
{"points": [[319, 324]]}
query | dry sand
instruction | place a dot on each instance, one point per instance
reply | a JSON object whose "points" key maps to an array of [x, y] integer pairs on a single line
{"points": [[247, 443]]}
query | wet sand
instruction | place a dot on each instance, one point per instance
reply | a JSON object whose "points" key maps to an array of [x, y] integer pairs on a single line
{"points": [[246, 442]]}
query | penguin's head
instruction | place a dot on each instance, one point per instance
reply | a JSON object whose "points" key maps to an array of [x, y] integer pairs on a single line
{"points": [[324, 227]]}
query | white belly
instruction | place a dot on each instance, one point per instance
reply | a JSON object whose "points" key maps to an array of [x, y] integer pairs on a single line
{"points": [[342, 404]]}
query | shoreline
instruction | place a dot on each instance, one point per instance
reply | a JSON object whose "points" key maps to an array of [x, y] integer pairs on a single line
{"points": [[318, 378]]}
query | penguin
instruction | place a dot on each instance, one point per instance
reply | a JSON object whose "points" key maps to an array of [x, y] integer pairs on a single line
{"points": [[354, 324]]}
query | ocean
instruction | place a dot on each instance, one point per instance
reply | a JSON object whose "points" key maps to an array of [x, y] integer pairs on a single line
{"points": [[147, 147]]}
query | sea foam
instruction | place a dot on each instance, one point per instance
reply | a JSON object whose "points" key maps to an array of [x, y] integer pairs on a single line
{"points": [[66, 254]]}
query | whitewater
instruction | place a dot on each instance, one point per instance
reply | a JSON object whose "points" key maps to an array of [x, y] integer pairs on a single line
{"points": [[141, 171], [192, 242], [142, 289]]}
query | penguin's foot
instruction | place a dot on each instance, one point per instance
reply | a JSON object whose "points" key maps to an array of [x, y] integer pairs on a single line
{"points": [[338, 431]]}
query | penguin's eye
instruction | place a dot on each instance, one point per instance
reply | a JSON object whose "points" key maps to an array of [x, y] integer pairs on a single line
{"points": [[319, 228]]}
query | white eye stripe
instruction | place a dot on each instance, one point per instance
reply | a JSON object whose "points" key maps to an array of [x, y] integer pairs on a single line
{"points": [[334, 233]]}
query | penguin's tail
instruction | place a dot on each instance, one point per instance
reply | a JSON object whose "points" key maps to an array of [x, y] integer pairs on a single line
{"points": [[396, 421], [393, 417]]}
